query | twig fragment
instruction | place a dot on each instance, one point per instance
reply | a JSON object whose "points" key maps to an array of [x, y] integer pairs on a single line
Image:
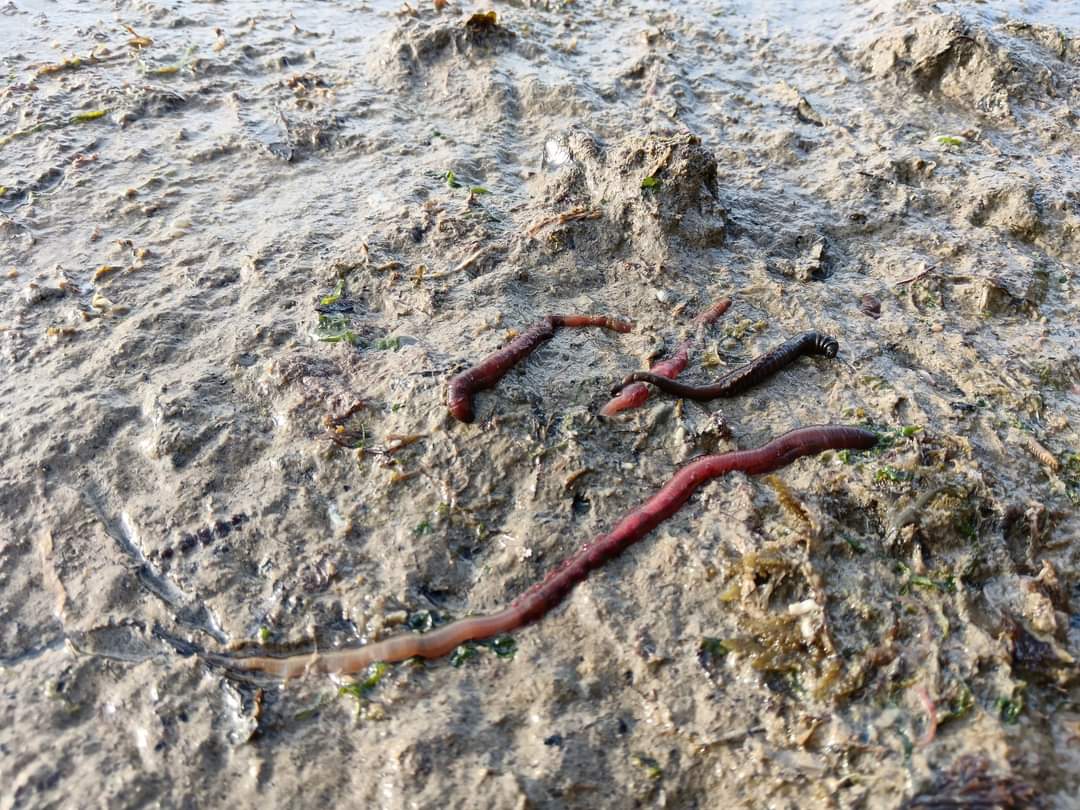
{"points": [[572, 215]]}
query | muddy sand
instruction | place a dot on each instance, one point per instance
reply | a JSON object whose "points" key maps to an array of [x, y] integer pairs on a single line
{"points": [[243, 248]]}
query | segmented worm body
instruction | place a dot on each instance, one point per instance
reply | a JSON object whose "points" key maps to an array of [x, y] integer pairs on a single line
{"points": [[489, 371], [747, 376], [636, 394], [1041, 453], [545, 595]]}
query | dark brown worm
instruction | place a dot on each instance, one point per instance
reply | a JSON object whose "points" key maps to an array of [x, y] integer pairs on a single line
{"points": [[545, 595], [489, 371], [744, 377]]}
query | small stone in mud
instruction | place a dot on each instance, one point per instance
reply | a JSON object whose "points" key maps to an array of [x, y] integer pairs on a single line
{"points": [[36, 293], [205, 535], [482, 22], [187, 543], [988, 297], [1037, 659]]}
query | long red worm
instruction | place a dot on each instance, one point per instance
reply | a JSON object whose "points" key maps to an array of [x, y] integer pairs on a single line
{"points": [[744, 377], [636, 394], [491, 369], [545, 595]]}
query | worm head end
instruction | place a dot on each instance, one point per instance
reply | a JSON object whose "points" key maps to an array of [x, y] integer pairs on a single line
{"points": [[463, 412], [611, 408], [459, 398], [827, 345], [461, 407], [629, 378]]}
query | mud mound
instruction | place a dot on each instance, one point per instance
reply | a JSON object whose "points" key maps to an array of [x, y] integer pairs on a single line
{"points": [[650, 189], [1007, 205], [946, 56], [424, 41]]}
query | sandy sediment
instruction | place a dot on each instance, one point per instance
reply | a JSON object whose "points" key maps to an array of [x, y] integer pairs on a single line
{"points": [[242, 251]]}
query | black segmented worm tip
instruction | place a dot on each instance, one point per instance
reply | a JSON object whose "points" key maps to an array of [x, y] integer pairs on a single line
{"points": [[825, 345]]}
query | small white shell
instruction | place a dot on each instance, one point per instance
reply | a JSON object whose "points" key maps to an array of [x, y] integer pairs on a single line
{"points": [[555, 154]]}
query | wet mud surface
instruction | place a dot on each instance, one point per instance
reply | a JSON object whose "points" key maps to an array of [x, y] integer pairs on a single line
{"points": [[243, 250]]}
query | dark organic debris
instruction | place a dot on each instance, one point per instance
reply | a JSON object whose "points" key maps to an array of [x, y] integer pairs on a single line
{"points": [[1037, 659], [482, 22], [869, 305], [969, 784]]}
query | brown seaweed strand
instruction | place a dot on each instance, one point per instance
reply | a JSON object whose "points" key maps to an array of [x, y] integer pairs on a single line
{"points": [[542, 597], [491, 369], [747, 376]]}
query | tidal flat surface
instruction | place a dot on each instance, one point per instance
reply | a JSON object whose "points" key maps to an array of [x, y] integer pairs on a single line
{"points": [[243, 247]]}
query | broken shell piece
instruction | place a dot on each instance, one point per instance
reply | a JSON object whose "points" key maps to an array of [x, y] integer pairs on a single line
{"points": [[802, 608], [100, 302], [555, 154], [35, 293], [808, 612], [57, 332]]}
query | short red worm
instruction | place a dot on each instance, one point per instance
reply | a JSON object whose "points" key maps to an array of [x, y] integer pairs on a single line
{"points": [[636, 394], [491, 369], [545, 595], [746, 376], [718, 308]]}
